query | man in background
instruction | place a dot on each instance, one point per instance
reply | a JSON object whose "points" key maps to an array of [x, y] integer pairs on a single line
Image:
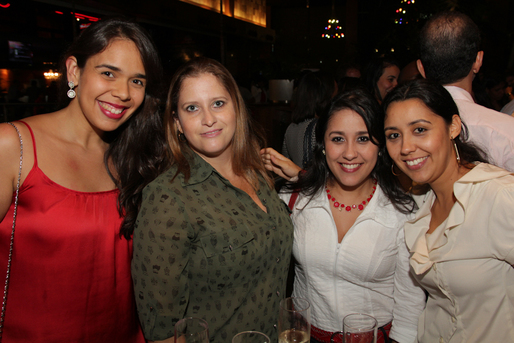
{"points": [[450, 54]]}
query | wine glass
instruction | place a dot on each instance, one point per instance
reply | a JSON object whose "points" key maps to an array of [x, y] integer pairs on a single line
{"points": [[358, 328], [191, 330], [251, 337], [294, 320]]}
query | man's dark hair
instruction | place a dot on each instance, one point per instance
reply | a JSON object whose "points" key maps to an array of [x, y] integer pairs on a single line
{"points": [[449, 43]]}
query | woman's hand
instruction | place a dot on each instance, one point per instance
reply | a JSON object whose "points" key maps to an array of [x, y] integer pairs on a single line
{"points": [[279, 164]]}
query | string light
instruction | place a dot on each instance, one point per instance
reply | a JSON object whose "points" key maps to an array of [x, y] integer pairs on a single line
{"points": [[402, 11], [50, 75], [333, 30]]}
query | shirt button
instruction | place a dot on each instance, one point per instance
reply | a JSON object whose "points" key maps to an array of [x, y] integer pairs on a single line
{"points": [[435, 269], [278, 259], [275, 326], [454, 319], [278, 293], [441, 340]]}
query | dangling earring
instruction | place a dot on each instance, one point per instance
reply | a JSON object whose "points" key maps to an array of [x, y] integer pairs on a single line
{"points": [[392, 170], [323, 151], [456, 150], [181, 137], [71, 93]]}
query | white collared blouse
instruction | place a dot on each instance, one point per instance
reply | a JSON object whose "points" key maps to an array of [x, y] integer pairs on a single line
{"points": [[465, 264], [368, 272]]}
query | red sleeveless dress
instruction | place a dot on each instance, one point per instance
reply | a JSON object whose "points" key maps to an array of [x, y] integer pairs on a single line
{"points": [[70, 274]]}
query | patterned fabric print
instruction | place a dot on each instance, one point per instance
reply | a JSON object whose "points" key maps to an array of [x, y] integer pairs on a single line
{"points": [[205, 249]]}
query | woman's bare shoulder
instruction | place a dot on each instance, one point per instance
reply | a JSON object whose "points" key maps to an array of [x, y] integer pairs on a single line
{"points": [[9, 139]]}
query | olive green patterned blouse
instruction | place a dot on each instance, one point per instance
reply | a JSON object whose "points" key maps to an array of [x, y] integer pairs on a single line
{"points": [[203, 248]]}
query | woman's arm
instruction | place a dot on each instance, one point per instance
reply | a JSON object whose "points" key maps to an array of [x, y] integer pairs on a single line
{"points": [[9, 166], [409, 297], [279, 164], [160, 261], [499, 227]]}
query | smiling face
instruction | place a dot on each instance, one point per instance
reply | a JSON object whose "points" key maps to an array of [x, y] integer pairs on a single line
{"points": [[350, 154], [388, 80], [206, 116], [111, 86], [419, 143]]}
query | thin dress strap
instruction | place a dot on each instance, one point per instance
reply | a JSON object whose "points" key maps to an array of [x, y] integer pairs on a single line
{"points": [[33, 141]]}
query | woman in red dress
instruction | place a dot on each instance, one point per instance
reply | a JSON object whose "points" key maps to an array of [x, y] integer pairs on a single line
{"points": [[70, 273]]}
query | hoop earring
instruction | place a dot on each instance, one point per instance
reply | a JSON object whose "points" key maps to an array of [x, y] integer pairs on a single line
{"points": [[456, 150], [71, 93], [392, 170], [182, 137]]}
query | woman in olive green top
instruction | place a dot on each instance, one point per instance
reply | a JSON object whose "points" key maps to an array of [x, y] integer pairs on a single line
{"points": [[212, 238]]}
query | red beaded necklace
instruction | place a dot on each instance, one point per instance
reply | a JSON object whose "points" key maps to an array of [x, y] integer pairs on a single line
{"points": [[354, 206]]}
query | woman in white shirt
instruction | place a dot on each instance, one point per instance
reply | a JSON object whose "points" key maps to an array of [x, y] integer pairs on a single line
{"points": [[348, 240], [462, 238]]}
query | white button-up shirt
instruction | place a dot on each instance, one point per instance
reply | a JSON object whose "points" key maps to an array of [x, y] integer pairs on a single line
{"points": [[368, 272], [490, 130]]}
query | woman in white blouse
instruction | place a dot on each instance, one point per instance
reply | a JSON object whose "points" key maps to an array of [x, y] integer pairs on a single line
{"points": [[348, 239], [462, 238]]}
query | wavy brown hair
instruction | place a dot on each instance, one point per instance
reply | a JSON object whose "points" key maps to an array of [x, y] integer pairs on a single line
{"points": [[247, 140]]}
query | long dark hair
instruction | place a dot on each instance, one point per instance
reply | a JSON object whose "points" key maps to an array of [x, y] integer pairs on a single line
{"points": [[374, 70], [247, 140], [137, 149], [318, 173], [437, 99], [313, 95]]}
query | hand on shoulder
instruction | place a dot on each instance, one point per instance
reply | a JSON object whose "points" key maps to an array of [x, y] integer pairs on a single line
{"points": [[279, 164]]}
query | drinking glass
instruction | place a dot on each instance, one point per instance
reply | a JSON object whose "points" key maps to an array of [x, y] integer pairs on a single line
{"points": [[191, 330], [250, 337], [358, 328], [294, 321]]}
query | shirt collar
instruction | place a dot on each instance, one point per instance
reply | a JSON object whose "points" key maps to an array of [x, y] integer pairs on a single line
{"points": [[415, 230], [200, 170], [483, 172], [459, 93]]}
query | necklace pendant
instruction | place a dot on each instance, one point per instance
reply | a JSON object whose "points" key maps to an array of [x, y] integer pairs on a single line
{"points": [[349, 208]]}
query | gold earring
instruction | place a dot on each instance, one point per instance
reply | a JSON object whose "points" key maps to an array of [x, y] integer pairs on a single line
{"points": [[456, 150], [392, 170], [323, 151]]}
